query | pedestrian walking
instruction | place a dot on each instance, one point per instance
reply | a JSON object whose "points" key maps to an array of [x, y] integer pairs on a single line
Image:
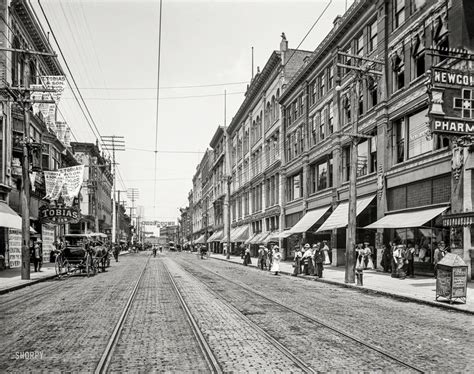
{"points": [[386, 261], [308, 268], [297, 260], [318, 260], [327, 260], [410, 260], [270, 258], [261, 251], [439, 253], [361, 255], [38, 255], [265, 258], [398, 255], [247, 259], [276, 260]]}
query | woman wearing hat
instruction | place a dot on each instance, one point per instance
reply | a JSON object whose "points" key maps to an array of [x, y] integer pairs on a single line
{"points": [[297, 260], [276, 260]]}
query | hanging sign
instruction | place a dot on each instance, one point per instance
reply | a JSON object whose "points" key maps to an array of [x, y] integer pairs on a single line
{"points": [[59, 215], [452, 102]]}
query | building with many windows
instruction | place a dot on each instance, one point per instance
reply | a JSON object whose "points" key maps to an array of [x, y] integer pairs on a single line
{"points": [[394, 77]]}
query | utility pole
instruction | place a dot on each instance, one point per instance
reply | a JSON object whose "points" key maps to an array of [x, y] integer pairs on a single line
{"points": [[23, 98], [132, 194], [360, 72], [118, 213], [115, 143], [228, 179]]}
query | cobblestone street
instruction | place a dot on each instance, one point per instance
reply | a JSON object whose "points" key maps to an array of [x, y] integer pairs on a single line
{"points": [[251, 321]]}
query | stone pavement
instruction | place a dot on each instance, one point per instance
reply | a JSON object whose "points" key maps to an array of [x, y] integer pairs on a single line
{"points": [[10, 279], [419, 289]]}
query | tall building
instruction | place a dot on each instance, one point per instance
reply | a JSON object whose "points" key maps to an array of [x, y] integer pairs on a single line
{"points": [[96, 194], [48, 139], [406, 185]]}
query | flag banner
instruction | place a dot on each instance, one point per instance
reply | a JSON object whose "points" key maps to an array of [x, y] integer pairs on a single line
{"points": [[60, 131], [49, 182], [56, 83], [58, 186], [74, 177]]}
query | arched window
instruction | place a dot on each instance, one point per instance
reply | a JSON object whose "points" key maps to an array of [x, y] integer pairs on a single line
{"points": [[277, 110], [273, 109], [268, 115], [17, 64]]}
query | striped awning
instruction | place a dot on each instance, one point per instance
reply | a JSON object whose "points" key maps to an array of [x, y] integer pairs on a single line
{"points": [[200, 240], [459, 219], [216, 237], [242, 235]]}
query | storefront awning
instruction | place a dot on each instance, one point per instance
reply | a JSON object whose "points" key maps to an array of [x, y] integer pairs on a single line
{"points": [[403, 220], [8, 217], [257, 239], [233, 232], [339, 217], [308, 220], [249, 240], [200, 240], [285, 234], [216, 237], [242, 235], [272, 237]]}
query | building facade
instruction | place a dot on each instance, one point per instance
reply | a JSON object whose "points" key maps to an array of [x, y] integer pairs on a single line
{"points": [[96, 194], [48, 140], [403, 168]]}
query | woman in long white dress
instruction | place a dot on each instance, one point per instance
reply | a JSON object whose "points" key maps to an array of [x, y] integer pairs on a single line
{"points": [[276, 260]]}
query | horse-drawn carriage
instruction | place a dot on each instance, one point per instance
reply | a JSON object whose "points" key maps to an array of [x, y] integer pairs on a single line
{"points": [[81, 253]]}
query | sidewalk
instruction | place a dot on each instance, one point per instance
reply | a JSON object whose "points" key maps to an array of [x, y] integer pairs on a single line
{"points": [[419, 289], [10, 279]]}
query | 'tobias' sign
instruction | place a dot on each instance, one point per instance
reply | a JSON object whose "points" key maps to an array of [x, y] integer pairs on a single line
{"points": [[59, 215]]}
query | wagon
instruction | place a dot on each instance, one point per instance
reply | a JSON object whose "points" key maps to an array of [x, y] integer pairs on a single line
{"points": [[79, 254]]}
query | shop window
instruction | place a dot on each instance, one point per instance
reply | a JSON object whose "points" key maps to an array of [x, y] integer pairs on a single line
{"points": [[372, 36], [398, 13]]}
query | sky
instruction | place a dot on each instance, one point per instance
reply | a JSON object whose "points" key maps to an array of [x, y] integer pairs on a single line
{"points": [[111, 48]]}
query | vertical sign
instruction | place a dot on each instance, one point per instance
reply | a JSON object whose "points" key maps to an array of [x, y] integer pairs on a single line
{"points": [[48, 241], [14, 243]]}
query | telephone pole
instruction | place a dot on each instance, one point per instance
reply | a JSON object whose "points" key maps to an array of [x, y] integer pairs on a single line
{"points": [[132, 194], [116, 144], [228, 178], [364, 68]]}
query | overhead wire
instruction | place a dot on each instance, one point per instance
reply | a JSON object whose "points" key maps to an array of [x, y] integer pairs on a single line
{"points": [[166, 87], [157, 100]]}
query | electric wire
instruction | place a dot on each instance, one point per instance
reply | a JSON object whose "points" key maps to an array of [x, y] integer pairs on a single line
{"points": [[157, 98], [157, 101], [311, 29], [166, 87]]}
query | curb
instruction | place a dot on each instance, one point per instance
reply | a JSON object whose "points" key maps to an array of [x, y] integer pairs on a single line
{"points": [[30, 283], [369, 291]]}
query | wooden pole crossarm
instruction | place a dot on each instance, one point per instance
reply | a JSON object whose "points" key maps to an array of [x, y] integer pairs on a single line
{"points": [[369, 71], [30, 52], [361, 57]]}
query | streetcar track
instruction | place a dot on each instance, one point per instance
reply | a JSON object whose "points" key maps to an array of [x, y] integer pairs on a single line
{"points": [[106, 358], [302, 314], [203, 344], [274, 342]]}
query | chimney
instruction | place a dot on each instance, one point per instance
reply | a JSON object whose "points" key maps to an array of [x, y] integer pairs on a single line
{"points": [[337, 21], [283, 43]]}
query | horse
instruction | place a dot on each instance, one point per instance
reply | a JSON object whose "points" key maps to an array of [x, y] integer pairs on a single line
{"points": [[101, 252]]}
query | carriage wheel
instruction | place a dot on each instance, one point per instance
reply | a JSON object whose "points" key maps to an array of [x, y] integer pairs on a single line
{"points": [[90, 269]]}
